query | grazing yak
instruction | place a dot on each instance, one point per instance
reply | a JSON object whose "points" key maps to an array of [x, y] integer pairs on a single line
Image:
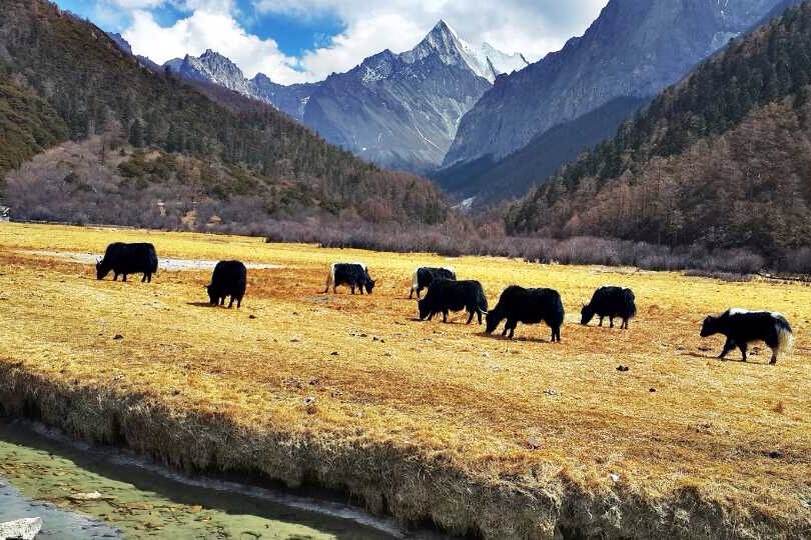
{"points": [[124, 259], [528, 306], [610, 302], [743, 327], [230, 278], [425, 275], [354, 275], [446, 295]]}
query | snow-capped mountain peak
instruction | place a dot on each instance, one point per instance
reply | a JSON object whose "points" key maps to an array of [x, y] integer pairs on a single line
{"points": [[485, 61], [213, 67]]}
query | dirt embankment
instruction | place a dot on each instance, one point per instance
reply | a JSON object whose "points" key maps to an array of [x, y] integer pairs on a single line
{"points": [[414, 488]]}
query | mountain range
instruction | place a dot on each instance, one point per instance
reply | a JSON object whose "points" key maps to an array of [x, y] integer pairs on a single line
{"points": [[486, 126], [396, 110]]}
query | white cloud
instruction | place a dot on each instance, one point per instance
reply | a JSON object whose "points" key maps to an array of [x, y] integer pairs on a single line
{"points": [[533, 27], [205, 29]]}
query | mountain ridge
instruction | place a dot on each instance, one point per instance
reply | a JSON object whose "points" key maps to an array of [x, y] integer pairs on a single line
{"points": [[640, 46], [413, 100]]}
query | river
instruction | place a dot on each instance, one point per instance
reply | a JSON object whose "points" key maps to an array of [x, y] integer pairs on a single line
{"points": [[84, 491]]}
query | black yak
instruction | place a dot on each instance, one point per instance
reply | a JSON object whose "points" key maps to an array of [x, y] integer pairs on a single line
{"points": [[528, 306], [230, 278], [743, 327], [446, 295], [124, 259], [610, 302], [425, 275], [354, 275]]}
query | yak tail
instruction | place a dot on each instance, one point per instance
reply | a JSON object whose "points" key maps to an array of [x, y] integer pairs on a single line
{"points": [[415, 283], [785, 338]]}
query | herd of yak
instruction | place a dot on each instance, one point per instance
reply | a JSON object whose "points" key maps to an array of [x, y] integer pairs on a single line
{"points": [[446, 294]]}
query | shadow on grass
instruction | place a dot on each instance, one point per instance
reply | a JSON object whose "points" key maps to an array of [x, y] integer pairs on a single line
{"points": [[714, 357], [203, 304], [519, 339]]}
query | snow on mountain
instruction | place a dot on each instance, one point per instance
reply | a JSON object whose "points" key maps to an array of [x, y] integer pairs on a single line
{"points": [[212, 67], [398, 110]]}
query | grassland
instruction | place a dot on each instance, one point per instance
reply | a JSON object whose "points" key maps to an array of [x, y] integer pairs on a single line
{"points": [[522, 438]]}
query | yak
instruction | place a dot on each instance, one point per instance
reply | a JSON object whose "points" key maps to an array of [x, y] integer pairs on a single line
{"points": [[124, 259], [446, 295], [230, 278], [742, 327], [425, 275], [353, 275], [528, 306], [610, 302]]}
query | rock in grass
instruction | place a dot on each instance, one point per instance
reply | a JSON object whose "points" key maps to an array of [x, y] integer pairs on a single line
{"points": [[623, 369], [118, 336], [25, 529], [533, 443]]}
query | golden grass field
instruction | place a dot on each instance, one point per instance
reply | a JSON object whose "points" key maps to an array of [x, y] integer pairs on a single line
{"points": [[518, 438]]}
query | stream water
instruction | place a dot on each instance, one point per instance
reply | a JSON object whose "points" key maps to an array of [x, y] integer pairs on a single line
{"points": [[82, 491]]}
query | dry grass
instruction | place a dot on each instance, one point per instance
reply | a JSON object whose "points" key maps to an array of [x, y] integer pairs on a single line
{"points": [[681, 443]]}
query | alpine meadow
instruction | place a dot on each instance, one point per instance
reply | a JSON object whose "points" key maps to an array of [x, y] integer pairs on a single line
{"points": [[430, 270]]}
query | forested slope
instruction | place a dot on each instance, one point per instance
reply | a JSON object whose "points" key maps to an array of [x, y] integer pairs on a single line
{"points": [[720, 159], [75, 83]]}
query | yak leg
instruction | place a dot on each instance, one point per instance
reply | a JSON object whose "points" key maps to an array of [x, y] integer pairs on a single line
{"points": [[611, 321], [479, 315], [506, 329], [445, 316], [556, 334], [239, 302], [601, 320], [470, 318], [231, 303], [773, 361], [728, 346], [743, 347], [512, 324]]}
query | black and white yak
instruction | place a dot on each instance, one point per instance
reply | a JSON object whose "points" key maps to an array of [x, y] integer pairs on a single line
{"points": [[424, 276], [124, 259], [446, 295], [528, 306], [742, 327], [611, 302], [353, 275], [230, 278]]}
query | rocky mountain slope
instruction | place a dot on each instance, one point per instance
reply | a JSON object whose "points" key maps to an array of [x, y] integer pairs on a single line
{"points": [[634, 49], [63, 78], [719, 160], [398, 110]]}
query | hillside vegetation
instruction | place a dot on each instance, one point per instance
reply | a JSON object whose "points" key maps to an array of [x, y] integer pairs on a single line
{"points": [[88, 87], [721, 159]]}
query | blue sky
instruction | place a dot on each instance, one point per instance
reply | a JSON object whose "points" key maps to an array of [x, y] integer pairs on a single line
{"points": [[306, 40]]}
